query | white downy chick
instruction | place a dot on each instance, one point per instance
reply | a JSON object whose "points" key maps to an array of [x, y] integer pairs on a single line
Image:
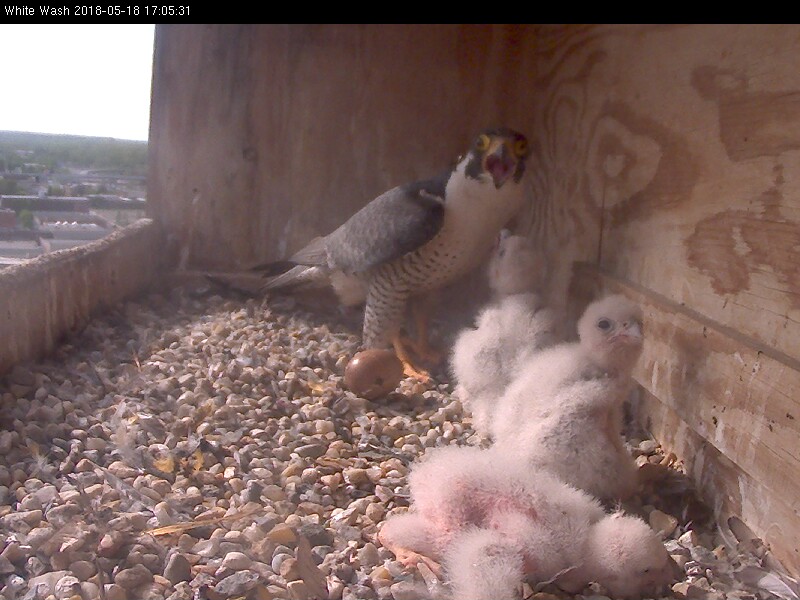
{"points": [[515, 266], [626, 557], [564, 411], [456, 488], [516, 324], [494, 522], [484, 563]]}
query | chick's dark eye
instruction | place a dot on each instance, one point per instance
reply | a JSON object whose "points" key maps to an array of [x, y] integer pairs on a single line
{"points": [[604, 324]]}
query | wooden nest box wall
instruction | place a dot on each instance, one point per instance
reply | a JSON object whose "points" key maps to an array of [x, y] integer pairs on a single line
{"points": [[666, 165]]}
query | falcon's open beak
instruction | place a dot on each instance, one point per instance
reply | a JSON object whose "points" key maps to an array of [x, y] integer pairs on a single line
{"points": [[499, 162]]}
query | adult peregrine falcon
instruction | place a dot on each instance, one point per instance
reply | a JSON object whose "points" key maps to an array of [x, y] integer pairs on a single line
{"points": [[418, 237]]}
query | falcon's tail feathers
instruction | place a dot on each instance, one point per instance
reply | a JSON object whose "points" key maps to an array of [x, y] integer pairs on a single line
{"points": [[314, 254], [276, 267], [299, 276]]}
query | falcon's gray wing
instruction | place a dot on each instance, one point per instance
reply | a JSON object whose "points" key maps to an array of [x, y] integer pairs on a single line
{"points": [[393, 224]]}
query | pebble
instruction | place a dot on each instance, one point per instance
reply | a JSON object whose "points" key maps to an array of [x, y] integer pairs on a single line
{"points": [[288, 569], [663, 522], [356, 476], [83, 569], [311, 450], [135, 577], [6, 566], [178, 568], [23, 520], [298, 590], [368, 555], [408, 590], [237, 584], [236, 561], [230, 422], [89, 589], [278, 560], [282, 534], [316, 534], [116, 592], [66, 587]]}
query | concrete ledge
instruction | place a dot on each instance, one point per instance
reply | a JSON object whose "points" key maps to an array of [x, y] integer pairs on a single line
{"points": [[56, 294]]}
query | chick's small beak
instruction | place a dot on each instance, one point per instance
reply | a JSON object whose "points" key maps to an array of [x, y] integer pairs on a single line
{"points": [[630, 333], [633, 330], [499, 162]]}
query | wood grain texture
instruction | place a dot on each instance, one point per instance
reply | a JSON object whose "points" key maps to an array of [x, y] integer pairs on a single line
{"points": [[723, 485], [265, 136], [726, 404], [687, 142]]}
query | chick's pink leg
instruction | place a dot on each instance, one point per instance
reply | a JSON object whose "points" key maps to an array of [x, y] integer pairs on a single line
{"points": [[412, 539]]}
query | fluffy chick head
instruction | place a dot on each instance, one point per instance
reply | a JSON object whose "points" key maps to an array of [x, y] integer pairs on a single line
{"points": [[627, 558], [611, 332], [515, 266]]}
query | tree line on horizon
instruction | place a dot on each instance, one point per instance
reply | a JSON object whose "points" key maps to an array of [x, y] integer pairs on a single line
{"points": [[55, 152]]}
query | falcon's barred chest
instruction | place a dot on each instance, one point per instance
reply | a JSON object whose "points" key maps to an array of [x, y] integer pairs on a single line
{"points": [[475, 211], [417, 237]]}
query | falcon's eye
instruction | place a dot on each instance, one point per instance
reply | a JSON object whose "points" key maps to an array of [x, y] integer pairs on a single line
{"points": [[521, 147], [604, 324], [483, 142]]}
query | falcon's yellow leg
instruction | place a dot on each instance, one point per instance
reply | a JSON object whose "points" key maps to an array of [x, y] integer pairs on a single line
{"points": [[420, 311], [408, 367]]}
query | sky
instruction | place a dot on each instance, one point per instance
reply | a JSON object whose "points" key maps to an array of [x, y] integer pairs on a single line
{"points": [[89, 80]]}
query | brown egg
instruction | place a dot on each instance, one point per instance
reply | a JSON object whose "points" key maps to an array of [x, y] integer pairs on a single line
{"points": [[373, 373]]}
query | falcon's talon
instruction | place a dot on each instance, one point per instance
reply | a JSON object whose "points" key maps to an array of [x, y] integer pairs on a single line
{"points": [[421, 375], [409, 370]]}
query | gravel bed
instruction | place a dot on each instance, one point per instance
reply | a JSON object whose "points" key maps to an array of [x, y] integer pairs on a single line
{"points": [[193, 446]]}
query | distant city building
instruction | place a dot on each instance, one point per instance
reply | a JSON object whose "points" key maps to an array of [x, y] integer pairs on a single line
{"points": [[8, 218], [22, 249], [33, 203], [62, 226]]}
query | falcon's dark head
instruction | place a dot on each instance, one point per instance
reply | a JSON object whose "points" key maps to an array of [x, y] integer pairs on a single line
{"points": [[499, 153]]}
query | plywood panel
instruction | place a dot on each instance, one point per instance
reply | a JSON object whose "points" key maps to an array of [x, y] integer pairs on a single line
{"points": [[693, 151], [728, 405], [724, 486], [265, 136], [683, 142]]}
